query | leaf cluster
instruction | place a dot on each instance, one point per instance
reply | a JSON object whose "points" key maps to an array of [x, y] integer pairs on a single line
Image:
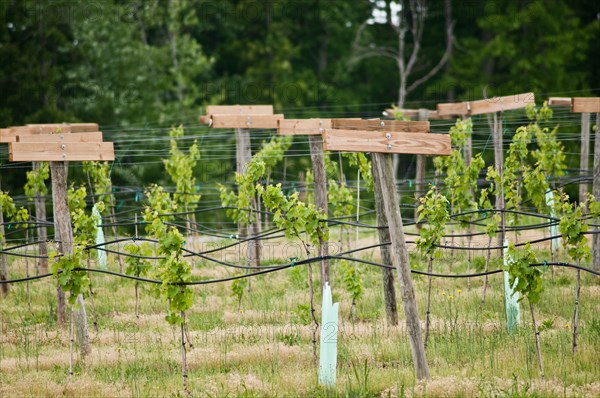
{"points": [[293, 215], [572, 225], [36, 181], [434, 209], [525, 279], [352, 279], [99, 174], [71, 280], [180, 166]]}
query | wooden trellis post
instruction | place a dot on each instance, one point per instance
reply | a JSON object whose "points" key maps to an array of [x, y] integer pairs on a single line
{"points": [[592, 105], [243, 118], [58, 144], [413, 139], [313, 129]]}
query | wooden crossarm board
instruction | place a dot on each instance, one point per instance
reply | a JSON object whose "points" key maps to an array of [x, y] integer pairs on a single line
{"points": [[235, 110], [490, 105], [303, 126], [453, 109], [424, 114], [386, 142], [559, 101], [583, 104], [500, 104], [10, 134], [245, 121], [72, 137], [62, 128], [381, 125], [7, 136], [239, 109], [49, 152]]}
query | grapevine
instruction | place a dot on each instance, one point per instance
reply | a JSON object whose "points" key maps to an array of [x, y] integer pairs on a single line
{"points": [[8, 209], [434, 209], [573, 228], [294, 216], [172, 270], [260, 164], [181, 168], [526, 280]]}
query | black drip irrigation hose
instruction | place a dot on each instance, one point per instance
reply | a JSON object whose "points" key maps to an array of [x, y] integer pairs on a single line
{"points": [[293, 264]]}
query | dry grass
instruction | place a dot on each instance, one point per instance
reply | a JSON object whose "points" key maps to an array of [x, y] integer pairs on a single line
{"points": [[266, 348]]}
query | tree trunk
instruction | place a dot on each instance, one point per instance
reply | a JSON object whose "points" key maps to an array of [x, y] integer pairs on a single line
{"points": [[596, 191], [40, 215], [384, 166], [389, 289], [62, 224], [401, 98], [318, 166]]}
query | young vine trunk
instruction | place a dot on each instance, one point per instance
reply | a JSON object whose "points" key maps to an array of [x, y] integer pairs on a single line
{"points": [[487, 266], [312, 312], [537, 340], [576, 314], [427, 314]]}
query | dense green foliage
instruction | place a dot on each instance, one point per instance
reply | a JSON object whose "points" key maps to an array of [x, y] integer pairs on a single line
{"points": [[147, 66], [125, 63]]}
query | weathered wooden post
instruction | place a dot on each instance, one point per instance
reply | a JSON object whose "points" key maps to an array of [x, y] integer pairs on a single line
{"points": [[313, 129], [243, 118], [592, 105], [58, 144], [412, 140]]}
